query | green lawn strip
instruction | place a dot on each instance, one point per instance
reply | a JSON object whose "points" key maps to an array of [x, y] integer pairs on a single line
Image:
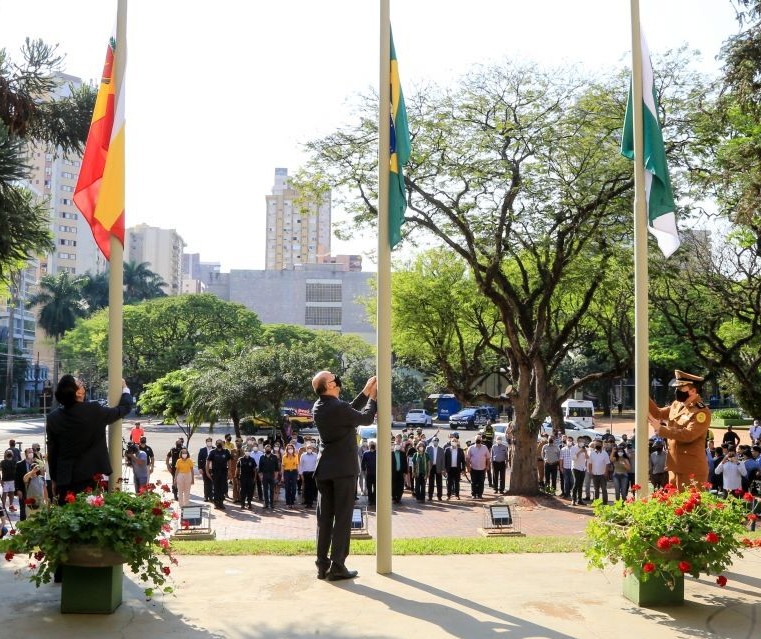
{"points": [[418, 546]]}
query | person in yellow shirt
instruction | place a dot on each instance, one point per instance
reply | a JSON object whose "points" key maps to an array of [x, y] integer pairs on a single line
{"points": [[184, 477], [290, 466]]}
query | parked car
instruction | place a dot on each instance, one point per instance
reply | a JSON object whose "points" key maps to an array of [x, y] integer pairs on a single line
{"points": [[418, 417], [471, 418], [500, 428], [577, 431]]}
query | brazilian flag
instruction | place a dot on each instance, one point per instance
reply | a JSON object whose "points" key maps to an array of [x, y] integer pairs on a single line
{"points": [[400, 153]]}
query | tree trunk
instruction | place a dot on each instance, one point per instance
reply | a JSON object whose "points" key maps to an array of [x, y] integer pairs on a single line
{"points": [[523, 477]]}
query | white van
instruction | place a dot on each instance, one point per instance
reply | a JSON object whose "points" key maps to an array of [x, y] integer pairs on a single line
{"points": [[579, 410]]}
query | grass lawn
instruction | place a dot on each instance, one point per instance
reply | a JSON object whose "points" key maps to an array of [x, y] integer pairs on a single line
{"points": [[420, 546]]}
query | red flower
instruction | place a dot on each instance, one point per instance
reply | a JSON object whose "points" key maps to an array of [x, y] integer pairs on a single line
{"points": [[679, 512], [648, 567], [746, 542], [712, 538], [675, 541], [752, 517], [737, 492], [164, 543], [664, 543], [70, 498], [165, 488], [748, 497], [166, 504], [8, 556], [157, 511], [30, 501], [166, 528], [166, 570], [685, 566], [688, 507], [39, 555], [635, 487], [88, 490], [718, 506], [691, 475], [707, 485], [721, 580]]}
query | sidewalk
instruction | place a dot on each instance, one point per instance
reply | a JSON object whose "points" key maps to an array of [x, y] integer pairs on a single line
{"points": [[471, 597]]}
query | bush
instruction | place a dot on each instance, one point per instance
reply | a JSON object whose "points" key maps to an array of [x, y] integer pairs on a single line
{"points": [[727, 413]]}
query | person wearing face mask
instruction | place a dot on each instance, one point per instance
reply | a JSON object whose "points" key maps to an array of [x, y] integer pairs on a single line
{"points": [[245, 474], [398, 472], [338, 468], [436, 474], [307, 465], [22, 468], [76, 435], [257, 451], [171, 462], [478, 460], [269, 472], [216, 468], [684, 424], [597, 467], [203, 456], [290, 465], [184, 477], [368, 466], [454, 463]]}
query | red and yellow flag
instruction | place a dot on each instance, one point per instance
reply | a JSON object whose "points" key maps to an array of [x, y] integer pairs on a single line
{"points": [[99, 193]]}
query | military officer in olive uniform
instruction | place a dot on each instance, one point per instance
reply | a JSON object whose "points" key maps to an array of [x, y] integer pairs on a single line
{"points": [[684, 424]]}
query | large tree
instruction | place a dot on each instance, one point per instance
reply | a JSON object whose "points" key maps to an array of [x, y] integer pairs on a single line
{"points": [[162, 335], [712, 297], [517, 172]]}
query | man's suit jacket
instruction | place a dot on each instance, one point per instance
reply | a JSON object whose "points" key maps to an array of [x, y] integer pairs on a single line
{"points": [[77, 439], [436, 455], [448, 458], [203, 455], [337, 420]]}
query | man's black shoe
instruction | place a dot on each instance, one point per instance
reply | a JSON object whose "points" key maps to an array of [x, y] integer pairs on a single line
{"points": [[337, 573], [321, 572]]}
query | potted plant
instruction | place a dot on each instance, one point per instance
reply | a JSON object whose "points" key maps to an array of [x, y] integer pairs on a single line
{"points": [[672, 533], [90, 537]]}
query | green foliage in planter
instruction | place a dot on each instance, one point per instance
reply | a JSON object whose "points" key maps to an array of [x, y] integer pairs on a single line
{"points": [[669, 534], [132, 525]]}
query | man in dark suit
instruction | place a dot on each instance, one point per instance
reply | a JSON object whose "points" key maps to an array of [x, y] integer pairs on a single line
{"points": [[337, 468], [208, 484], [22, 468], [76, 433], [398, 471]]}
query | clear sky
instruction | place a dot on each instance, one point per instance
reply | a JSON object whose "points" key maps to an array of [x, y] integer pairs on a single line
{"points": [[220, 93]]}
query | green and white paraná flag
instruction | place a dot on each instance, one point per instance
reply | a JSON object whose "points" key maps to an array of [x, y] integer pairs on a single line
{"points": [[658, 195]]}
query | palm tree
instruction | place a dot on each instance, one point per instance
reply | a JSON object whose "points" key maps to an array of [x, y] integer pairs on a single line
{"points": [[24, 221], [95, 291], [61, 303], [141, 283], [60, 122]]}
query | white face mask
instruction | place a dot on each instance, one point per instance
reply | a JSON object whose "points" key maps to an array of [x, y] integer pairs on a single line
{"points": [[435, 444], [277, 448], [256, 448], [397, 447]]}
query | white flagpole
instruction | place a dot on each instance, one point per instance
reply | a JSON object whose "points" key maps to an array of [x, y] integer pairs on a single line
{"points": [[383, 467], [116, 280], [641, 330]]}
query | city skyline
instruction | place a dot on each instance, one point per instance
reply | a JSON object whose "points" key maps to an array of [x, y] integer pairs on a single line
{"points": [[220, 94]]}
